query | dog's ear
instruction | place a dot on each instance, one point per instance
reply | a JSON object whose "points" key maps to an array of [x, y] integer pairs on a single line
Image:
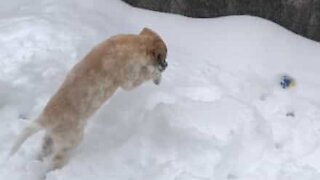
{"points": [[148, 32]]}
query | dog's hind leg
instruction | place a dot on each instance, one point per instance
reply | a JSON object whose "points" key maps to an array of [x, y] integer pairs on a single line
{"points": [[47, 147], [64, 143]]}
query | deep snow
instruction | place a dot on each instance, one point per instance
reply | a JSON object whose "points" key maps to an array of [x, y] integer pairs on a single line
{"points": [[219, 113]]}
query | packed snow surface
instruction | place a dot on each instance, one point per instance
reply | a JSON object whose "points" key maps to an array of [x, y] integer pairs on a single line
{"points": [[219, 114]]}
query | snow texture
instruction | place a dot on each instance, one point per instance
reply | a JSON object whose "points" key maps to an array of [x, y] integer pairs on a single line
{"points": [[219, 114]]}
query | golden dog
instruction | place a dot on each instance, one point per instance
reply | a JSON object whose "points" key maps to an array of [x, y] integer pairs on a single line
{"points": [[124, 61]]}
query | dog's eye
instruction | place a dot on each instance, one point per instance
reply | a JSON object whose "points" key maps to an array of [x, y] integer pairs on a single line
{"points": [[159, 57]]}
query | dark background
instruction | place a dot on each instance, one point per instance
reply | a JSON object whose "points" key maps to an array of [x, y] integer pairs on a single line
{"points": [[299, 16]]}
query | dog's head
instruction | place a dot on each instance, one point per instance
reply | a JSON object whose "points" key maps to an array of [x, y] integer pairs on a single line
{"points": [[157, 52], [151, 64]]}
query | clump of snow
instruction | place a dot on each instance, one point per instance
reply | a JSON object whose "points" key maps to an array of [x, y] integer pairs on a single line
{"points": [[220, 112]]}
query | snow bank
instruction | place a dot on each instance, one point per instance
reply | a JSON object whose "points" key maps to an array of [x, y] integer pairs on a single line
{"points": [[219, 113]]}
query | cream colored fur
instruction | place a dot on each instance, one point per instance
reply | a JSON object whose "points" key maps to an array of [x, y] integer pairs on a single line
{"points": [[123, 61]]}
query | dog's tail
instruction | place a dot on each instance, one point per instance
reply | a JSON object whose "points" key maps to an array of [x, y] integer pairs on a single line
{"points": [[31, 129]]}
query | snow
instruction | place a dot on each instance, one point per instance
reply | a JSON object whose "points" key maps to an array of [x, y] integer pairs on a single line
{"points": [[220, 112]]}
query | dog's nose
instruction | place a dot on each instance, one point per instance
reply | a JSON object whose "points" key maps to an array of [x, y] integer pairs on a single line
{"points": [[163, 66]]}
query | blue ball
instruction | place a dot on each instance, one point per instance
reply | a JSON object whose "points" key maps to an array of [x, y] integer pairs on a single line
{"points": [[286, 81]]}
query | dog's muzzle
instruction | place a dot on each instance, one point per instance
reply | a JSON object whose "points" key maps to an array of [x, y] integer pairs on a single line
{"points": [[162, 66]]}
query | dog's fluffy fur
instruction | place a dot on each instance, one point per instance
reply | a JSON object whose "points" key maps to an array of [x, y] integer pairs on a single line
{"points": [[124, 61]]}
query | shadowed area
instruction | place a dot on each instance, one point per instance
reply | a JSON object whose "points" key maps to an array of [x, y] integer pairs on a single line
{"points": [[299, 16]]}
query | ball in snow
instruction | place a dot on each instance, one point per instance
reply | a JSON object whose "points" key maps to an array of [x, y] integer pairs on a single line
{"points": [[287, 82]]}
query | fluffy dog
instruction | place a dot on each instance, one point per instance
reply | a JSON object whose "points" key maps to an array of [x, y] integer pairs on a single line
{"points": [[123, 61]]}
